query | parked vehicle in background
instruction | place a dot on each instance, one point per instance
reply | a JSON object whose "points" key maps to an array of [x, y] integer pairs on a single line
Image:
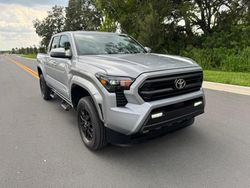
{"points": [[122, 92]]}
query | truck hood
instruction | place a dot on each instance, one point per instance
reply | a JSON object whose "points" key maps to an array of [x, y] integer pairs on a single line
{"points": [[133, 65]]}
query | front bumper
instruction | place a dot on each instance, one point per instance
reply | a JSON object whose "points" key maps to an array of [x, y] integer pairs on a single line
{"points": [[136, 118]]}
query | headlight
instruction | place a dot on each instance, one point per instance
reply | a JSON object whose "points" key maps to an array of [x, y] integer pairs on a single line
{"points": [[115, 83]]}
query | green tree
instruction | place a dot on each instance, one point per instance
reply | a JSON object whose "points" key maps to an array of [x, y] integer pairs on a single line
{"points": [[82, 15], [35, 50], [42, 49], [172, 26], [152, 22], [109, 24], [52, 24]]}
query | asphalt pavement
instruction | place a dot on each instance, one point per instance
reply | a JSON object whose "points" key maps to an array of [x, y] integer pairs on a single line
{"points": [[40, 145]]}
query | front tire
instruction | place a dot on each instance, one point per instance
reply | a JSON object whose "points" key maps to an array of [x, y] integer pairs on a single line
{"points": [[91, 128], [45, 90]]}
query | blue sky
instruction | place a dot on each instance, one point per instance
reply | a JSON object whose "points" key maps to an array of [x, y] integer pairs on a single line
{"points": [[16, 16]]}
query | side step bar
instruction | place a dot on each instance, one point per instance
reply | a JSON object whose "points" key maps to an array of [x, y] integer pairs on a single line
{"points": [[66, 106], [52, 95]]}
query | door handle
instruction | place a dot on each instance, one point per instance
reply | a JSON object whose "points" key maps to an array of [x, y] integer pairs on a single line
{"points": [[53, 63]]}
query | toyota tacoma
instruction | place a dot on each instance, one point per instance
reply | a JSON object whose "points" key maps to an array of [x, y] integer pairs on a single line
{"points": [[121, 91]]}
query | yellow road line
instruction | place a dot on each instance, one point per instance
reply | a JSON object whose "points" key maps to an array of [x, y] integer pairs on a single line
{"points": [[22, 65], [25, 68]]}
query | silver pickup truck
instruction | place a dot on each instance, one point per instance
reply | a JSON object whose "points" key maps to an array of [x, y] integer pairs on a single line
{"points": [[121, 91]]}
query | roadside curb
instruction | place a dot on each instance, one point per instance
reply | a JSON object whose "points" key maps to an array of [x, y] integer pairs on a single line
{"points": [[227, 88]]}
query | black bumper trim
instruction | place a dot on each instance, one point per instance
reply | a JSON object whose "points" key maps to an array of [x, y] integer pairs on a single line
{"points": [[174, 113], [114, 137]]}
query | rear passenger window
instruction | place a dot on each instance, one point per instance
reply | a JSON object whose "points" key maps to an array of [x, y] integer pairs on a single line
{"points": [[55, 43], [64, 42]]}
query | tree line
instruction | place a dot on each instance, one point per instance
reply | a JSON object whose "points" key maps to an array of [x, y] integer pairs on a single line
{"points": [[206, 30], [29, 50]]}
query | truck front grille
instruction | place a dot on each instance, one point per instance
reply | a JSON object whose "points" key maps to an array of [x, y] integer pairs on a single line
{"points": [[164, 87]]}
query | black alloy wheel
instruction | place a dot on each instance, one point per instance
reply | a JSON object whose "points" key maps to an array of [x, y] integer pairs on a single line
{"points": [[86, 127], [91, 128]]}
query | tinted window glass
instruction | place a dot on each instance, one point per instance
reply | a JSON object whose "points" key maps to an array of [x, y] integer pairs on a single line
{"points": [[64, 42], [96, 44], [55, 43]]}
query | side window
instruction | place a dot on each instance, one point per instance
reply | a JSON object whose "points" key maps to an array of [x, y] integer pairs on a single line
{"points": [[55, 43], [64, 42]]}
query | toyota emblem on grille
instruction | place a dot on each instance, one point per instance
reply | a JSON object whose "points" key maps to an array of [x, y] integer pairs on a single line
{"points": [[180, 83]]}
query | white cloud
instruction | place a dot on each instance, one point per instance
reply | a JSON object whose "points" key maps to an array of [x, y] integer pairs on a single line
{"points": [[16, 27]]}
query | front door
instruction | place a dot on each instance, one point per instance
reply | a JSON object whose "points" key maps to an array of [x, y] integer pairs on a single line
{"points": [[62, 68], [50, 64]]}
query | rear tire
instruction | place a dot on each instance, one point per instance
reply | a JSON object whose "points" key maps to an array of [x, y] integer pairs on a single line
{"points": [[91, 128], [45, 89]]}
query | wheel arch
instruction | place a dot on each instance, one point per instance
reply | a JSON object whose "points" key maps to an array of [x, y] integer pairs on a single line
{"points": [[39, 70], [81, 88]]}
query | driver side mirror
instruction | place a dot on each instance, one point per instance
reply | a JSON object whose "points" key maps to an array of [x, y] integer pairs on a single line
{"points": [[148, 50], [60, 53]]}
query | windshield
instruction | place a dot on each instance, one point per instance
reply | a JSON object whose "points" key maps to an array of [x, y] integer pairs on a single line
{"points": [[99, 44]]}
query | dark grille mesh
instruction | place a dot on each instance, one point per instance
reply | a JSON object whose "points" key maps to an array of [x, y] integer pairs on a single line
{"points": [[164, 87]]}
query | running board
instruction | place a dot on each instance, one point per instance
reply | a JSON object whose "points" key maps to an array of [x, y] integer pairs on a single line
{"points": [[52, 95], [66, 106]]}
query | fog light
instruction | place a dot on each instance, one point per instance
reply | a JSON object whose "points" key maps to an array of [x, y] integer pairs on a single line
{"points": [[198, 103], [154, 116]]}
